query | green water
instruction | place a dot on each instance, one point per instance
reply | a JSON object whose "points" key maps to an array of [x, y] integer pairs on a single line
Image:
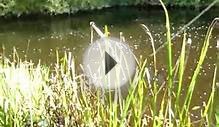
{"points": [[38, 37]]}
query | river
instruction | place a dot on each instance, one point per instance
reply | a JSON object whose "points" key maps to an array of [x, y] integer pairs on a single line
{"points": [[38, 37]]}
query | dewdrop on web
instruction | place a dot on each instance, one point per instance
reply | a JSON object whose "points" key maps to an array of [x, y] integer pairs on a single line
{"points": [[217, 84], [189, 41], [217, 46]]}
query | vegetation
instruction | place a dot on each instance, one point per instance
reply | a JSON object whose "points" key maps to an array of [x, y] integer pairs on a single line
{"points": [[19, 7], [37, 95]]}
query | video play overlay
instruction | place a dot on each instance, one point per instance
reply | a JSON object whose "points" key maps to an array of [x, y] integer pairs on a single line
{"points": [[109, 63]]}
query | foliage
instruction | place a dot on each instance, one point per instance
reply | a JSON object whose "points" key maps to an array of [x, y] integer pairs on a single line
{"points": [[19, 7]]}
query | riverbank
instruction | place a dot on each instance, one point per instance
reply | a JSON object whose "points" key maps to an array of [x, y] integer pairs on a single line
{"points": [[26, 7]]}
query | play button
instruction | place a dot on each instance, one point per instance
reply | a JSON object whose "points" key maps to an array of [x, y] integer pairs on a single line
{"points": [[109, 63]]}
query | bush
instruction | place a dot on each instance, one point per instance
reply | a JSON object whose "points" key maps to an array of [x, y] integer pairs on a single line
{"points": [[19, 7]]}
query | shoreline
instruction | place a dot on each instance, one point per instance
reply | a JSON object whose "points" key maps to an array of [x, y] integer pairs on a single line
{"points": [[91, 11], [149, 6]]}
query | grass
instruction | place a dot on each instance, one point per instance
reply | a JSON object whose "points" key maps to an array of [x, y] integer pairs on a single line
{"points": [[38, 95]]}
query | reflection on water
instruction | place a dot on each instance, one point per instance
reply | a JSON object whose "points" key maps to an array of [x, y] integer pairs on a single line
{"points": [[38, 37]]}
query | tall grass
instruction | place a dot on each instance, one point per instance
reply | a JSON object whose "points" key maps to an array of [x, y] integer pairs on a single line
{"points": [[37, 95]]}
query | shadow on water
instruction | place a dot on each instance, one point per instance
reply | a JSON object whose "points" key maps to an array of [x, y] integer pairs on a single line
{"points": [[39, 37]]}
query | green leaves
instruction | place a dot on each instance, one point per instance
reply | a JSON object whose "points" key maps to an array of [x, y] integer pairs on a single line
{"points": [[20, 7]]}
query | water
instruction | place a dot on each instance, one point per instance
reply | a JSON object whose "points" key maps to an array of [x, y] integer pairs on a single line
{"points": [[38, 37]]}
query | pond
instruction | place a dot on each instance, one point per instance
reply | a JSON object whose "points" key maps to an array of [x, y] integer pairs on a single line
{"points": [[38, 37]]}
